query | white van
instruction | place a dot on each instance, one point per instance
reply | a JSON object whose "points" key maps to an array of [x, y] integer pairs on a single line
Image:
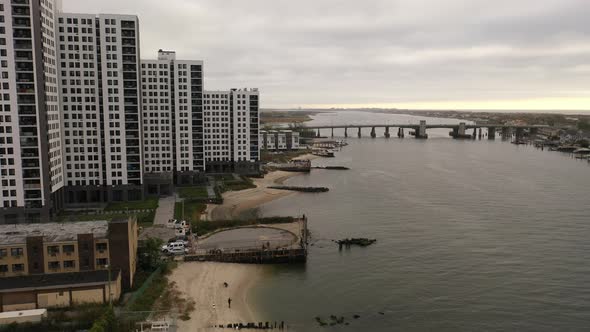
{"points": [[173, 248]]}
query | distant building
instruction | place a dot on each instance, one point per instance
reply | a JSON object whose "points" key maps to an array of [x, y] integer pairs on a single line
{"points": [[279, 140], [51, 265]]}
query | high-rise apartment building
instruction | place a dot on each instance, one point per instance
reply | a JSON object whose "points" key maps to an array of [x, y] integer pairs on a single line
{"points": [[100, 95], [84, 121], [231, 130], [31, 166]]}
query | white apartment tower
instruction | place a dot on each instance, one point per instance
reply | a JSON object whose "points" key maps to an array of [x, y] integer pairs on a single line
{"points": [[100, 96], [31, 168], [231, 130]]}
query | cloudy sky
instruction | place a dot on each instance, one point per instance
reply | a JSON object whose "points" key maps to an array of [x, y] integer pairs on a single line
{"points": [[447, 54]]}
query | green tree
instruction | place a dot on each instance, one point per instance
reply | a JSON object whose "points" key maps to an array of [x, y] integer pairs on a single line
{"points": [[149, 255]]}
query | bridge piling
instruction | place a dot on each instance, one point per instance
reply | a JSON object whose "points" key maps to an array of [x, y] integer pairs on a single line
{"points": [[373, 133], [387, 135], [332, 132], [345, 131], [479, 135], [492, 133], [474, 133], [421, 130], [506, 133], [359, 133], [318, 134]]}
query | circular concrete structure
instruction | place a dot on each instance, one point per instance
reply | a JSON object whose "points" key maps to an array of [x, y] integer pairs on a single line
{"points": [[248, 237]]}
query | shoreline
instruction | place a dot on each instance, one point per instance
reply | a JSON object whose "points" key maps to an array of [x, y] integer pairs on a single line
{"points": [[237, 202], [203, 281]]}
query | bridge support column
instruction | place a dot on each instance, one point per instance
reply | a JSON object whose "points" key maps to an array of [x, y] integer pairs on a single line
{"points": [[492, 133], [506, 133], [519, 134], [402, 134], [479, 135], [459, 132], [359, 134], [474, 133], [454, 133], [318, 134], [345, 131], [387, 135], [332, 132], [533, 133], [421, 130], [373, 133]]}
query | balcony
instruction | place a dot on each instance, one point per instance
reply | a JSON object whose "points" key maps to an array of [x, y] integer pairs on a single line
{"points": [[26, 110], [21, 11], [22, 33], [24, 67], [22, 45], [30, 153], [128, 33], [26, 99], [25, 78], [21, 22], [128, 42], [33, 204], [20, 2], [23, 56], [31, 174], [29, 141], [31, 163]]}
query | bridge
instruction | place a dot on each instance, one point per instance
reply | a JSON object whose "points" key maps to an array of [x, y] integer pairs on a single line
{"points": [[419, 130]]}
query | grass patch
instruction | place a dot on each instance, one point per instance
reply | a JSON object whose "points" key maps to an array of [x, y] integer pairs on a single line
{"points": [[152, 291], [230, 183], [192, 210], [199, 192], [150, 203], [202, 227]]}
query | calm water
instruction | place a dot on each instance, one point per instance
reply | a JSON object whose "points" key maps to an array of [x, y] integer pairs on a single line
{"points": [[472, 235]]}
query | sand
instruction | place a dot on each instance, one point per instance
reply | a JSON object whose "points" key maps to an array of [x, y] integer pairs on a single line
{"points": [[203, 282], [236, 202]]}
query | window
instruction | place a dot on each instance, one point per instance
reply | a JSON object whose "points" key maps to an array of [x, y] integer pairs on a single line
{"points": [[53, 265], [68, 249], [53, 250], [69, 264], [18, 267], [101, 246], [102, 262], [3, 253], [15, 252], [3, 268]]}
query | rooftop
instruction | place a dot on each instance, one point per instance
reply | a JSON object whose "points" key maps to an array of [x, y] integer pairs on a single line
{"points": [[40, 281], [52, 232]]}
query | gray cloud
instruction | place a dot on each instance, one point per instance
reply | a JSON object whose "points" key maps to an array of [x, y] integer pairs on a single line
{"points": [[373, 51]]}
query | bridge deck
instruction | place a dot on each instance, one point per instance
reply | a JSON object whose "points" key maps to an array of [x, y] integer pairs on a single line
{"points": [[428, 126]]}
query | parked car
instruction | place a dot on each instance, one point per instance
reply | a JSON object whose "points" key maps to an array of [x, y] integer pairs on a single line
{"points": [[171, 223], [173, 247]]}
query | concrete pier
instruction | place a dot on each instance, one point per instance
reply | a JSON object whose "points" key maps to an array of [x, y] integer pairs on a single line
{"points": [[491, 132], [474, 135], [519, 134], [387, 135], [479, 135], [373, 133], [359, 134], [318, 134], [345, 132], [421, 130], [332, 132], [506, 133]]}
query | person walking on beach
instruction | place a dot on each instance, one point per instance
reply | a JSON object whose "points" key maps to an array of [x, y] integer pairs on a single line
{"points": [[229, 302]]}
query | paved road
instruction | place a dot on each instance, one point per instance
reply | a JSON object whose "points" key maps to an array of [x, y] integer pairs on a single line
{"points": [[165, 210]]}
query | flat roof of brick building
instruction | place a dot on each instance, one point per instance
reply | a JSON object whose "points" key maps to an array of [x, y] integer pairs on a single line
{"points": [[52, 232]]}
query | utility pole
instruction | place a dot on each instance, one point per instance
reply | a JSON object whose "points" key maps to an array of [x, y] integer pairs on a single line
{"points": [[108, 266]]}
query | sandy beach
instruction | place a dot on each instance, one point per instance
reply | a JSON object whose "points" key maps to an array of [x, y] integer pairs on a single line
{"points": [[236, 202], [203, 282]]}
